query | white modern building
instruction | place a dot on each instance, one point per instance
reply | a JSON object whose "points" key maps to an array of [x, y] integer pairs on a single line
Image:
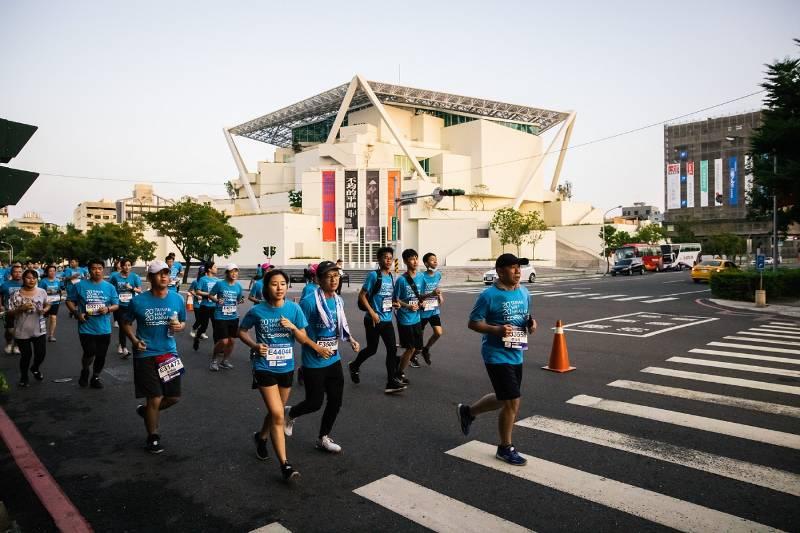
{"points": [[94, 213], [353, 150]]}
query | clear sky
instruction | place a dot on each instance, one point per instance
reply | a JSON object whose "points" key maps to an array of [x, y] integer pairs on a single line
{"points": [[140, 91]]}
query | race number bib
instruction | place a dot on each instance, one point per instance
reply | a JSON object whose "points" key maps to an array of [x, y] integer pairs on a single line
{"points": [[94, 308], [53, 298], [413, 301], [518, 340], [75, 281], [125, 297], [331, 343], [387, 304], [430, 304], [42, 325], [279, 355], [228, 309], [169, 367]]}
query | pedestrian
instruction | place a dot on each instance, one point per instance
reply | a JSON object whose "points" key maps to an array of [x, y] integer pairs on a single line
{"points": [[28, 306], [7, 290], [375, 299], [205, 310], [503, 315], [340, 268], [196, 299], [157, 369], [175, 270], [93, 301], [128, 285], [431, 302], [407, 299], [256, 293], [327, 325], [278, 323], [227, 295], [311, 285], [52, 286]]}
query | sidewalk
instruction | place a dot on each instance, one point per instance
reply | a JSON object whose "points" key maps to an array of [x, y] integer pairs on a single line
{"points": [[790, 309]]}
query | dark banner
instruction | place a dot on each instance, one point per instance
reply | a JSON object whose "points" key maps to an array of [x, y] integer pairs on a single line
{"points": [[372, 230], [350, 206]]}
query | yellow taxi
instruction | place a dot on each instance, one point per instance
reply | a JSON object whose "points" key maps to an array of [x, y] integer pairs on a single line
{"points": [[704, 269]]}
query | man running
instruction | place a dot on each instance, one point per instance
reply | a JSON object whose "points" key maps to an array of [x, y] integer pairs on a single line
{"points": [[175, 270], [93, 301], [52, 287], [205, 310], [159, 314], [256, 294], [128, 285], [502, 315], [227, 295], [375, 299], [327, 325], [311, 284], [432, 299], [407, 297], [7, 290]]}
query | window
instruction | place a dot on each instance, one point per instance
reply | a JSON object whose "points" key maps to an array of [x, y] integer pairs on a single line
{"points": [[483, 233], [426, 165]]}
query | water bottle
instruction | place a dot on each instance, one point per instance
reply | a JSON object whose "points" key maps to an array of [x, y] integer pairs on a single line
{"points": [[173, 320]]}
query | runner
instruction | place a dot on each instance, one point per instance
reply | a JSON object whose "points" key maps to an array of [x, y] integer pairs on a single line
{"points": [[52, 286], [311, 285], [205, 309], [93, 301], [159, 314], [196, 299], [227, 295], [324, 312], [7, 290], [407, 297], [502, 315], [278, 323], [375, 298], [175, 270], [256, 294], [28, 307], [73, 274], [432, 299], [128, 285], [340, 267]]}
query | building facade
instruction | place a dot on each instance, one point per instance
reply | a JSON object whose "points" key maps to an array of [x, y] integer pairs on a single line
{"points": [[142, 202], [31, 221], [89, 213], [640, 211]]}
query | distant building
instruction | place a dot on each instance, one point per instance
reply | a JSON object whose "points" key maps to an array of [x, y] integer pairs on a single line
{"points": [[88, 214], [3, 217], [142, 202], [30, 221], [640, 211]]}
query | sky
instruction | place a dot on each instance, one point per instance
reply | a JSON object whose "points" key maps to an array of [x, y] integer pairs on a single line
{"points": [[127, 92]]}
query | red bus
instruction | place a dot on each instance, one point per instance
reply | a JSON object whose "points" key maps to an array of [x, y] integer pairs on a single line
{"points": [[650, 254]]}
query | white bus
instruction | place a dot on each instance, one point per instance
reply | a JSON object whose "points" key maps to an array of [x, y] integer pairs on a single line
{"points": [[678, 256]]}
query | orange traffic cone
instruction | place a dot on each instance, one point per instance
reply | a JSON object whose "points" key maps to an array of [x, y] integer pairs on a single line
{"points": [[189, 302], [559, 358]]}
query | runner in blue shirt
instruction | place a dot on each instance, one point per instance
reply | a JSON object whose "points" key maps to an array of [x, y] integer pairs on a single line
{"points": [[227, 295], [7, 289], [128, 285], [93, 301], [278, 324], [205, 309], [256, 291], [175, 270], [159, 314], [407, 296], [311, 284], [52, 286], [431, 300], [503, 315], [71, 276]]}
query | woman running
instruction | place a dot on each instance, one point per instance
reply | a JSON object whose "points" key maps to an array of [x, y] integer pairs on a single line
{"points": [[28, 306], [52, 286]]}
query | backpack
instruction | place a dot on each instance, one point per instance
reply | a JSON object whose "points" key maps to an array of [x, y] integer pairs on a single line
{"points": [[376, 288], [413, 285]]}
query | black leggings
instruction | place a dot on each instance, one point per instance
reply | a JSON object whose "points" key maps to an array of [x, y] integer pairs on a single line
{"points": [[35, 347], [119, 316], [94, 351], [202, 314], [385, 331], [319, 382]]}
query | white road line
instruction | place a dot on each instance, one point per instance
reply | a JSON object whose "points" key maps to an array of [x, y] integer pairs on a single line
{"points": [[653, 506], [687, 292], [754, 347], [769, 341], [736, 366], [763, 476], [740, 355], [780, 329], [540, 293], [659, 300], [718, 399], [432, 509], [560, 294], [274, 527], [586, 295], [712, 425], [767, 333], [631, 298], [676, 281], [606, 296], [786, 324], [724, 380]]}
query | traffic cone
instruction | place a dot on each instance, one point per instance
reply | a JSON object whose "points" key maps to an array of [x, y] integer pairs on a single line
{"points": [[559, 358], [189, 302]]}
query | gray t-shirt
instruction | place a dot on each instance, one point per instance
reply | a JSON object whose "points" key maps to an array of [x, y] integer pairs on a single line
{"points": [[29, 324]]}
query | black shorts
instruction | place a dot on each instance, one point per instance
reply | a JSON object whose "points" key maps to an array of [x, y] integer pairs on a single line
{"points": [[506, 380], [262, 378], [9, 322], [410, 336], [53, 311], [148, 384], [433, 320], [225, 329]]}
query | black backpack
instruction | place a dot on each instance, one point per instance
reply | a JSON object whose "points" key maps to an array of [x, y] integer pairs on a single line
{"points": [[413, 285], [376, 288]]}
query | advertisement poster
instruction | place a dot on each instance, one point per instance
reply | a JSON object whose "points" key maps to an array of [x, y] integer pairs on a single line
{"points": [[748, 177], [329, 206], [372, 230], [733, 181], [717, 181], [673, 186], [690, 184], [704, 183], [351, 206]]}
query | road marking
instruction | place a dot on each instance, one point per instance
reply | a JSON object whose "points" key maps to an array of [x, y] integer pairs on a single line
{"points": [[712, 425], [659, 300], [687, 292], [586, 295], [688, 321], [740, 355], [754, 347], [676, 281], [432, 509], [719, 399], [560, 294], [631, 298], [767, 333], [724, 380], [274, 527], [540, 293], [606, 296], [736, 366], [781, 328], [763, 476], [636, 501], [785, 324], [770, 341]]}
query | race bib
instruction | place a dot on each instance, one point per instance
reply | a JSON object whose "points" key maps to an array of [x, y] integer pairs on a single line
{"points": [[94, 308], [518, 340], [42, 325], [228, 309], [76, 280], [430, 304], [387, 304], [331, 343], [53, 298], [125, 297], [279, 355], [413, 301], [169, 367]]}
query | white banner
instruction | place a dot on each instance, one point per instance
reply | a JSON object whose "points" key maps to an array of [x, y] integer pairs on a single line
{"points": [[748, 176], [673, 186], [690, 184], [704, 183], [718, 181]]}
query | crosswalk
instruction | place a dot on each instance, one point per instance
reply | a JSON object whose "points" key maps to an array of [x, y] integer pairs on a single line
{"points": [[771, 360], [551, 292]]}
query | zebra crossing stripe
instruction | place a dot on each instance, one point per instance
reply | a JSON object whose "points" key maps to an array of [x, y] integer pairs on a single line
{"points": [[560, 294], [767, 333], [719, 399], [542, 293], [755, 347], [274, 527], [712, 425], [585, 295], [792, 324], [606, 296], [763, 476], [653, 506], [659, 300], [781, 328], [736, 366], [723, 380], [432, 509], [739, 355], [631, 298], [769, 341]]}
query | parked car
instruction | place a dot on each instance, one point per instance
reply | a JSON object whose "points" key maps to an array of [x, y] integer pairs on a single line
{"points": [[706, 269], [528, 273], [628, 266], [768, 260]]}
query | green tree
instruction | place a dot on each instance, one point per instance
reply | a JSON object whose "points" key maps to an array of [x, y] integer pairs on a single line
{"points": [[230, 189], [650, 234], [17, 238], [72, 244], [113, 241], [607, 240], [682, 233], [535, 228], [45, 246], [296, 199], [776, 158], [198, 231], [510, 226], [728, 244]]}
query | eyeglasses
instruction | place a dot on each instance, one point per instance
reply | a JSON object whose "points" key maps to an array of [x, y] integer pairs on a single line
{"points": [[333, 276]]}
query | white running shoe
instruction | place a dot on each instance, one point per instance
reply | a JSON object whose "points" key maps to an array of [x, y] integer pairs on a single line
{"points": [[193, 333], [288, 422], [9, 348], [16, 349], [203, 336], [326, 443], [214, 367], [226, 364], [116, 324], [120, 350]]}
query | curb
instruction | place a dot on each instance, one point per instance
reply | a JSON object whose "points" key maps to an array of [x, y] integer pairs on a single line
{"points": [[783, 310]]}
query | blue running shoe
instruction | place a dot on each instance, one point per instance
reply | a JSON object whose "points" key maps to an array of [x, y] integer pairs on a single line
{"points": [[510, 455]]}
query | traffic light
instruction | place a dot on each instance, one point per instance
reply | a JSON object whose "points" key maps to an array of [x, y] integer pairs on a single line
{"points": [[269, 251], [14, 183]]}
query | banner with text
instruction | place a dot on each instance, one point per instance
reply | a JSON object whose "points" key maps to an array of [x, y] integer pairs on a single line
{"points": [[733, 181], [350, 206], [718, 194], [704, 183], [690, 184], [328, 206], [748, 176], [393, 188], [372, 229], [673, 186]]}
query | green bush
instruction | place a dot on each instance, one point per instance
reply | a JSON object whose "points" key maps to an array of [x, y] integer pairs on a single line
{"points": [[742, 284]]}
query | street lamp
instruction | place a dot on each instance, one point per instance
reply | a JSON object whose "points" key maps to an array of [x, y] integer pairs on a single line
{"points": [[603, 233]]}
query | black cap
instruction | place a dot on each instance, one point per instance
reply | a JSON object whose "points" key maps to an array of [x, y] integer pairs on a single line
{"points": [[510, 259], [325, 266]]}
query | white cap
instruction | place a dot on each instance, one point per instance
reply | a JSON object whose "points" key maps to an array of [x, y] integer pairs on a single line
{"points": [[156, 267], [231, 266]]}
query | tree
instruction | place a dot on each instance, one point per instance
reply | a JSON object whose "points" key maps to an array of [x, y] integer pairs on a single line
{"points": [[650, 234], [727, 244], [231, 190], [198, 231], [564, 191], [683, 233], [296, 199], [776, 158], [608, 240], [114, 241], [72, 244], [535, 228], [510, 226], [16, 237], [45, 246]]}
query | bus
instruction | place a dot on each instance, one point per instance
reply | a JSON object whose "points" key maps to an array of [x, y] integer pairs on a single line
{"points": [[677, 256], [649, 254]]}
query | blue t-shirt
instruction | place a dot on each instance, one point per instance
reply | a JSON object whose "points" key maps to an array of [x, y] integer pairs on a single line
{"points": [[229, 294], [3, 274], [89, 297], [429, 284], [68, 282], [498, 307], [404, 292], [317, 331], [174, 275], [152, 315], [8, 288], [53, 290], [206, 284], [381, 303], [267, 321], [308, 289], [125, 286], [257, 290]]}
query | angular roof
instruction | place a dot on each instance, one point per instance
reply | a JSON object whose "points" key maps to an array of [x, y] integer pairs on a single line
{"points": [[276, 128]]}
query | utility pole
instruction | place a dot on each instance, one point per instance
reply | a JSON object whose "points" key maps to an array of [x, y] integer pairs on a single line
{"points": [[774, 216]]}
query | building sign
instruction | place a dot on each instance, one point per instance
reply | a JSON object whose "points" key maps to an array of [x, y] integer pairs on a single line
{"points": [[733, 189], [372, 230], [673, 186], [717, 182], [748, 176], [392, 187], [690, 184], [704, 183], [350, 206], [329, 206]]}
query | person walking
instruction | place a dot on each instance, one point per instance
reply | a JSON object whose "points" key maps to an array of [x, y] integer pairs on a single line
{"points": [[7, 291], [128, 285], [52, 287], [28, 306]]}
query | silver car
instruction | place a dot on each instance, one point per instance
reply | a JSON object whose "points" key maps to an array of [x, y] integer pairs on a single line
{"points": [[528, 273]]}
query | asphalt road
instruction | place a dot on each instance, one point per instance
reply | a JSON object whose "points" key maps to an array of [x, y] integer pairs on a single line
{"points": [[699, 455]]}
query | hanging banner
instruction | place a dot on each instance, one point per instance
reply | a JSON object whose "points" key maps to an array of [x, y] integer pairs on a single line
{"points": [[350, 206], [690, 184], [328, 206], [392, 186], [718, 194], [673, 186], [372, 230], [733, 181], [704, 183], [748, 176]]}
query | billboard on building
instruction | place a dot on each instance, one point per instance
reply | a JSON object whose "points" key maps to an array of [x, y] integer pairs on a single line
{"points": [[673, 186], [350, 206], [372, 230], [733, 182], [690, 184], [748, 176], [717, 182], [704, 183], [328, 206]]}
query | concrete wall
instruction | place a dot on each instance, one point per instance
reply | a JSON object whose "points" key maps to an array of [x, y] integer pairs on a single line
{"points": [[568, 213], [292, 234]]}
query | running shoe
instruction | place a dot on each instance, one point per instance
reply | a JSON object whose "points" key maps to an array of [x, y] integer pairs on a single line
{"points": [[288, 421], [120, 350], [116, 324], [154, 444], [16, 349], [401, 377], [203, 336], [261, 447], [326, 443], [196, 344], [37, 375], [426, 354], [289, 474], [125, 353], [354, 377], [214, 366], [414, 362], [51, 339], [510, 455], [23, 384], [465, 419], [394, 386], [225, 364], [95, 383], [84, 379], [140, 410], [9, 349], [193, 333]]}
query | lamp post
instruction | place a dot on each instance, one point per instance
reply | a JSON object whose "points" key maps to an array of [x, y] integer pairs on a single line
{"points": [[603, 233], [11, 254]]}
